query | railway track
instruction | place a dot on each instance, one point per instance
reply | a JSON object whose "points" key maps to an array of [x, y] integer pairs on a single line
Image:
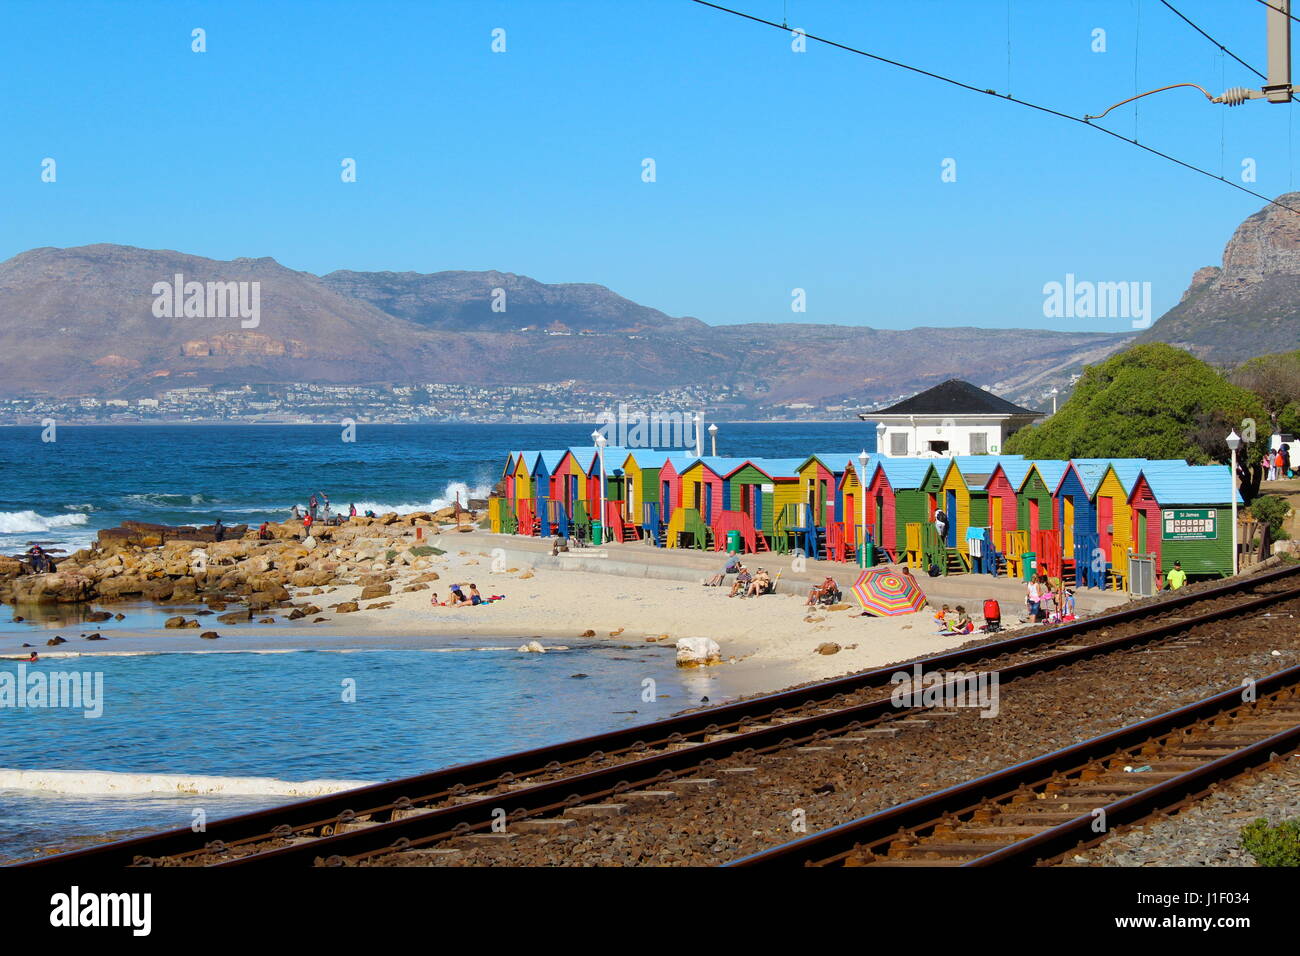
{"points": [[529, 789], [1041, 810]]}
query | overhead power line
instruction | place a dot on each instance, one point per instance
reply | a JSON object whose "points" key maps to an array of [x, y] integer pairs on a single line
{"points": [[1006, 97], [1180, 16], [1272, 6]]}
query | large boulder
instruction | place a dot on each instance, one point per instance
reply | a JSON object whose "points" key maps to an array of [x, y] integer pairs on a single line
{"points": [[697, 651], [56, 588], [375, 591]]}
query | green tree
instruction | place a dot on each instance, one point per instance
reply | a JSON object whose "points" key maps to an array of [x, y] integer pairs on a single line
{"points": [[1276, 380], [1149, 401]]}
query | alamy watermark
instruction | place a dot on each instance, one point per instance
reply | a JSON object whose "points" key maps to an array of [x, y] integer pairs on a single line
{"points": [[919, 688], [1075, 299], [209, 300], [648, 428], [75, 690]]}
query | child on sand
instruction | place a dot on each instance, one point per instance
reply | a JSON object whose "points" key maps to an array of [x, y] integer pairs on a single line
{"points": [[964, 623], [941, 618]]}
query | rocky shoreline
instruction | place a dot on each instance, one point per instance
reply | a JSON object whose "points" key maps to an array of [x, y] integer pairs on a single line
{"points": [[165, 565]]}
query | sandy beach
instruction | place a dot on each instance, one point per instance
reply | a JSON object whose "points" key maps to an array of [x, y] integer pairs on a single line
{"points": [[627, 594]]}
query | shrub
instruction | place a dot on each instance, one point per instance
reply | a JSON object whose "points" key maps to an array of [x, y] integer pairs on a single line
{"points": [[424, 550], [1273, 846], [1272, 511]]}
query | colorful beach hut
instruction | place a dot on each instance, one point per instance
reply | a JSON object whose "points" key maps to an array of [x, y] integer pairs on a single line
{"points": [[898, 498], [642, 468], [1184, 515], [747, 507]]}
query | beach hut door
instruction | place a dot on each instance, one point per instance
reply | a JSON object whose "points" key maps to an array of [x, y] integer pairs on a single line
{"points": [[1106, 525], [1033, 516], [1140, 540], [952, 519], [995, 509]]}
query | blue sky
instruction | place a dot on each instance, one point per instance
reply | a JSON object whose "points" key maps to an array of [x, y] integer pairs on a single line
{"points": [[775, 170]]}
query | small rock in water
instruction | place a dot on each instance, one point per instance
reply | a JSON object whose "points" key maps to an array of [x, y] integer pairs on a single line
{"points": [[588, 633], [209, 635], [119, 617], [265, 620], [55, 641], [17, 618], [532, 647], [97, 616], [577, 676], [177, 621], [96, 637]]}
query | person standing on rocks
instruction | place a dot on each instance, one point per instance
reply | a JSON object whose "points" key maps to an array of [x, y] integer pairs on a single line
{"points": [[312, 505], [352, 510], [218, 531], [307, 522], [325, 500]]}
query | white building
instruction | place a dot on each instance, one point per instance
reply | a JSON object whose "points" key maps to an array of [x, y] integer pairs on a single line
{"points": [[953, 418]]}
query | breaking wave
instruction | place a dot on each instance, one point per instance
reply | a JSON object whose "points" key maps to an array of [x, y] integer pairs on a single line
{"points": [[445, 500], [29, 522], [96, 782]]}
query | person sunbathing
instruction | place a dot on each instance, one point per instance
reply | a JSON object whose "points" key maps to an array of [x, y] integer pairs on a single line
{"points": [[742, 582], [760, 585], [818, 593], [457, 598]]}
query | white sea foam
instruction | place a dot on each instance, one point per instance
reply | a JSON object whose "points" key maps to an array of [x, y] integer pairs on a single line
{"points": [[94, 782], [446, 499], [29, 522]]}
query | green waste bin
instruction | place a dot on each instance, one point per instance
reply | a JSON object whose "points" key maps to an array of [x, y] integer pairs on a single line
{"points": [[733, 541], [597, 533], [1029, 562], [867, 554]]}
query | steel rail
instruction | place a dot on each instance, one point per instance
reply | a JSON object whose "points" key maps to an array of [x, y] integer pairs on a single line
{"points": [[327, 812], [839, 842]]}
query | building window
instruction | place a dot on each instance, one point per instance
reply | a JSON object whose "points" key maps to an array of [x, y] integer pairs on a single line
{"points": [[939, 447], [898, 444], [979, 443]]}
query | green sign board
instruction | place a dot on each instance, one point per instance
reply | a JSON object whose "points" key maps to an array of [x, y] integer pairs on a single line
{"points": [[1188, 524]]}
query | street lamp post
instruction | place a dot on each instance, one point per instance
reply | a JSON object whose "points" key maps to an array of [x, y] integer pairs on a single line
{"points": [[862, 493], [1055, 392], [600, 440], [1234, 442], [713, 439]]}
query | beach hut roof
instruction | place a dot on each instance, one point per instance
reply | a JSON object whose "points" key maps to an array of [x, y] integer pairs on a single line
{"points": [[1090, 471], [646, 457], [588, 456], [551, 459], [1191, 485], [839, 461], [905, 472], [1050, 471], [718, 464], [1127, 470], [778, 467], [1016, 470]]}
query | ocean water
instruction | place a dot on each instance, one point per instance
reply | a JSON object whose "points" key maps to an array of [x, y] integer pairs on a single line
{"points": [[95, 477], [281, 716]]}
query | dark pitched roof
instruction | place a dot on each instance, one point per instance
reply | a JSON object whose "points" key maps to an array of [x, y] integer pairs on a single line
{"points": [[955, 397]]}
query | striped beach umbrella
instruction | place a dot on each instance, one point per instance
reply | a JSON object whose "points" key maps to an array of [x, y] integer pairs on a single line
{"points": [[886, 592]]}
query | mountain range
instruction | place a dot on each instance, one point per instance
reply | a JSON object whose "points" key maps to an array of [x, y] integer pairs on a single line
{"points": [[85, 321]]}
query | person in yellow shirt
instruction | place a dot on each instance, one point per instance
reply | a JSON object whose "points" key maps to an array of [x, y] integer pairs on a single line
{"points": [[1177, 577]]}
